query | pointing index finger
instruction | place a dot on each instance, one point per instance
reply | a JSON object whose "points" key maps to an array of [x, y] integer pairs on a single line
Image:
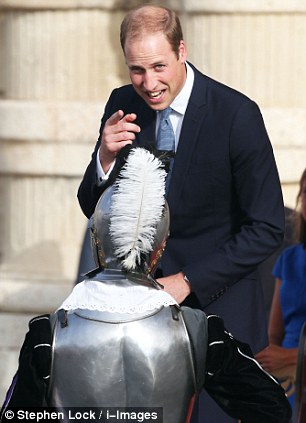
{"points": [[116, 117]]}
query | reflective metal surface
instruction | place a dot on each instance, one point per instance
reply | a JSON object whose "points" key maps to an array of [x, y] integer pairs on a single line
{"points": [[141, 362], [102, 245]]}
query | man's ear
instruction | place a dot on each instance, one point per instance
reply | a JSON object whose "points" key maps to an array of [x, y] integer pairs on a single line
{"points": [[182, 52]]}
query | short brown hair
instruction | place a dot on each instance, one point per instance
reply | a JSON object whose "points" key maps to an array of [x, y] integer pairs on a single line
{"points": [[300, 222], [150, 19]]}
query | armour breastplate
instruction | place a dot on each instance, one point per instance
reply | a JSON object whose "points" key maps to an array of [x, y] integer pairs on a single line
{"points": [[103, 359]]}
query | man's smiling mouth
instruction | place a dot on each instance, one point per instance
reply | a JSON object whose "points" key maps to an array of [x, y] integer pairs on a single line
{"points": [[155, 94]]}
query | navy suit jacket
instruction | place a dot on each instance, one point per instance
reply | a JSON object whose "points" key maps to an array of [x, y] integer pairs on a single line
{"points": [[225, 200]]}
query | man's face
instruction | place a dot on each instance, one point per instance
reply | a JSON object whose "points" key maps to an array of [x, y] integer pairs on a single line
{"points": [[156, 72]]}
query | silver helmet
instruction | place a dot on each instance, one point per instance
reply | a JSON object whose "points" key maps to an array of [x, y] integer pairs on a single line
{"points": [[130, 224]]}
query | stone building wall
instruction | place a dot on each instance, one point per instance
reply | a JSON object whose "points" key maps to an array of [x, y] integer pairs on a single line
{"points": [[59, 61]]}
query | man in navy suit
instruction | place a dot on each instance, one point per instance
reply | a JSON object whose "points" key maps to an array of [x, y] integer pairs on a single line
{"points": [[225, 200]]}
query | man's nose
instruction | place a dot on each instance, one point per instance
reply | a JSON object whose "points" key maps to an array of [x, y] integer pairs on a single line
{"points": [[149, 81]]}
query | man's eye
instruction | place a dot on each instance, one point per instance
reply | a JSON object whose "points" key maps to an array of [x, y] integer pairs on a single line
{"points": [[136, 70]]}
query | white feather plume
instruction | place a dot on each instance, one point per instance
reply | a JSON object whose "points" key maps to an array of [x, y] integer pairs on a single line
{"points": [[137, 206]]}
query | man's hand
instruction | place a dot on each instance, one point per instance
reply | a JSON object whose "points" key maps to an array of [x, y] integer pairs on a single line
{"points": [[176, 286], [119, 130]]}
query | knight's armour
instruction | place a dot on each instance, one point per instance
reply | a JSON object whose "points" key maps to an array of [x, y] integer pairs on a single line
{"points": [[141, 359], [120, 340]]}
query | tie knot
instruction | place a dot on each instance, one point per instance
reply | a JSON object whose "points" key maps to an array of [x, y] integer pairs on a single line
{"points": [[164, 114]]}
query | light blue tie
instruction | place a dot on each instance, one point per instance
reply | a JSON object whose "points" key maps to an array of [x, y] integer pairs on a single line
{"points": [[166, 140], [165, 134]]}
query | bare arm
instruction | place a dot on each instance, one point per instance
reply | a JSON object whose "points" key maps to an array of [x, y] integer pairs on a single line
{"points": [[276, 321], [275, 357]]}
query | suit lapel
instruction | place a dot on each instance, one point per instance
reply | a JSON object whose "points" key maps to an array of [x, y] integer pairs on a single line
{"points": [[193, 119]]}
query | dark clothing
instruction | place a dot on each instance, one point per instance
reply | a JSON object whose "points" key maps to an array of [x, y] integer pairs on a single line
{"points": [[226, 208]]}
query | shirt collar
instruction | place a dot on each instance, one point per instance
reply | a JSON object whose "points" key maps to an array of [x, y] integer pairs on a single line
{"points": [[180, 102]]}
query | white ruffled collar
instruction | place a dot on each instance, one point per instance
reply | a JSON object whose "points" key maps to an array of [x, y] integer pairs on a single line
{"points": [[116, 298]]}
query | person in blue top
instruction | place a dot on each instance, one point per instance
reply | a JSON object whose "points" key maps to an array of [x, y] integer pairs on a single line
{"points": [[288, 310]]}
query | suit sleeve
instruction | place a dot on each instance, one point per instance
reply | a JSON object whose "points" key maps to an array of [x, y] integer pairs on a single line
{"points": [[257, 193]]}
